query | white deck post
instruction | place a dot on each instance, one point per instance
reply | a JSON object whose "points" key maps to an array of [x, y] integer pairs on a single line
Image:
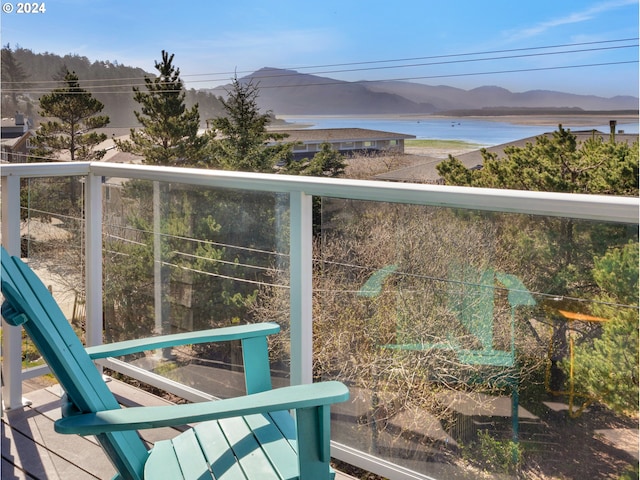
{"points": [[301, 268], [93, 259], [12, 336]]}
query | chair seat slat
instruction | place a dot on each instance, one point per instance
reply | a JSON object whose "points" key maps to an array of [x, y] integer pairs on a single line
{"points": [[215, 447], [193, 463], [275, 446], [247, 449], [166, 466]]}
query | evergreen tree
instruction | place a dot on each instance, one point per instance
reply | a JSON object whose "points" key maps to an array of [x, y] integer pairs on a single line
{"points": [[169, 133], [75, 114], [13, 77], [556, 164], [61, 73], [562, 256], [240, 138], [607, 367], [326, 163]]}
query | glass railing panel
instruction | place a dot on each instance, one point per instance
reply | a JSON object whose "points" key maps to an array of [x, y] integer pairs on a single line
{"points": [[444, 323], [51, 241], [185, 258]]}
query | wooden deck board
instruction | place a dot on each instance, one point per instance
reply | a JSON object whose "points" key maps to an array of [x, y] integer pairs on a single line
{"points": [[13, 473], [31, 449], [27, 448]]}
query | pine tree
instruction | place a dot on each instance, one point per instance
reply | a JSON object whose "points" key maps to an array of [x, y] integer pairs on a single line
{"points": [[607, 367], [73, 114], [326, 163], [13, 77], [75, 117], [556, 164], [567, 258], [240, 138], [169, 133]]}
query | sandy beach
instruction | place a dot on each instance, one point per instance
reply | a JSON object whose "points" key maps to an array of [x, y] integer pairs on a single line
{"points": [[586, 119], [554, 120], [438, 152]]}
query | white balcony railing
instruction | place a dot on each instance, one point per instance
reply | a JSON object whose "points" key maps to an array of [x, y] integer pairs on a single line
{"points": [[300, 191]]}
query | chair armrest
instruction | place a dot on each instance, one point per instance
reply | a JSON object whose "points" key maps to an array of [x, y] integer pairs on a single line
{"points": [[138, 418], [239, 332]]}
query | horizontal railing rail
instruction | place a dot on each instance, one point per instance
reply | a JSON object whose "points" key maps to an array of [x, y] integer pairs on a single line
{"points": [[582, 206]]}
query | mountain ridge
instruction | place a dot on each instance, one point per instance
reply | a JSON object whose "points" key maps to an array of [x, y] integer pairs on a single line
{"points": [[288, 92]]}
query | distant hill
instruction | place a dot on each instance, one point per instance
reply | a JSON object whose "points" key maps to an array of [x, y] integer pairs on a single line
{"points": [[293, 93], [115, 79], [448, 98], [290, 92]]}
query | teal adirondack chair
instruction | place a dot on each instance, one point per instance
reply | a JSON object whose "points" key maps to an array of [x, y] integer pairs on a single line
{"points": [[471, 298], [248, 437]]}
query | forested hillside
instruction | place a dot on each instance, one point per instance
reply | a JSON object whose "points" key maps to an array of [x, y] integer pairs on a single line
{"points": [[294, 93], [27, 75], [109, 81]]}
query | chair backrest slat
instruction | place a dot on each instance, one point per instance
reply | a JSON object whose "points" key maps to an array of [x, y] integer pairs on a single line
{"points": [[58, 344], [471, 298]]}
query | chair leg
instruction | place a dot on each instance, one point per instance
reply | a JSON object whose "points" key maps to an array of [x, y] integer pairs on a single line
{"points": [[313, 426], [514, 413]]}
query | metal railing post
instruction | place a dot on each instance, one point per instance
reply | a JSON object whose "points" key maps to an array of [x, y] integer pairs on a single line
{"points": [[93, 259], [12, 336], [301, 268]]}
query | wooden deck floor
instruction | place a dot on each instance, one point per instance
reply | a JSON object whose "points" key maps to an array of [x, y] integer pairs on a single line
{"points": [[32, 450]]}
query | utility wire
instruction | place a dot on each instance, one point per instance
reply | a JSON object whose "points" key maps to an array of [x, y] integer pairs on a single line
{"points": [[339, 264], [449, 62], [369, 62], [397, 79], [198, 240], [462, 283], [226, 277], [95, 88], [217, 260], [489, 52]]}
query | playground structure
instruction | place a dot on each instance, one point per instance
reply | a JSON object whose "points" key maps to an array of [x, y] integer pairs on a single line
{"points": [[570, 393]]}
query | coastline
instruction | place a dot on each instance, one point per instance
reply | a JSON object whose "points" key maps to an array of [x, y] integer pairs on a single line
{"points": [[481, 130], [553, 120], [589, 119]]}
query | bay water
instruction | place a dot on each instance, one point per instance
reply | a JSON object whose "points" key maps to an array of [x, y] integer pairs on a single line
{"points": [[482, 132]]}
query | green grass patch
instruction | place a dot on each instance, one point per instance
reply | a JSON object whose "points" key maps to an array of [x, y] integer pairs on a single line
{"points": [[440, 144]]}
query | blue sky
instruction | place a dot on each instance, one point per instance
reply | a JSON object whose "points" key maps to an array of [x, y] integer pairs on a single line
{"points": [[213, 39]]}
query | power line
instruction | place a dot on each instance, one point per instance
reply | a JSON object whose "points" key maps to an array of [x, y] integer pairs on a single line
{"points": [[449, 62], [422, 77], [522, 70], [217, 260], [339, 264], [198, 240], [474, 53], [463, 283], [371, 62], [226, 277], [409, 59], [413, 65]]}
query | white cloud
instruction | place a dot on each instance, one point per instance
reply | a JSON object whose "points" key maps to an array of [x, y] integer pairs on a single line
{"points": [[575, 17]]}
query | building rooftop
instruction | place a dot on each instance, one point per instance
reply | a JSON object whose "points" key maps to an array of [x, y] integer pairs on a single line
{"points": [[339, 135]]}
